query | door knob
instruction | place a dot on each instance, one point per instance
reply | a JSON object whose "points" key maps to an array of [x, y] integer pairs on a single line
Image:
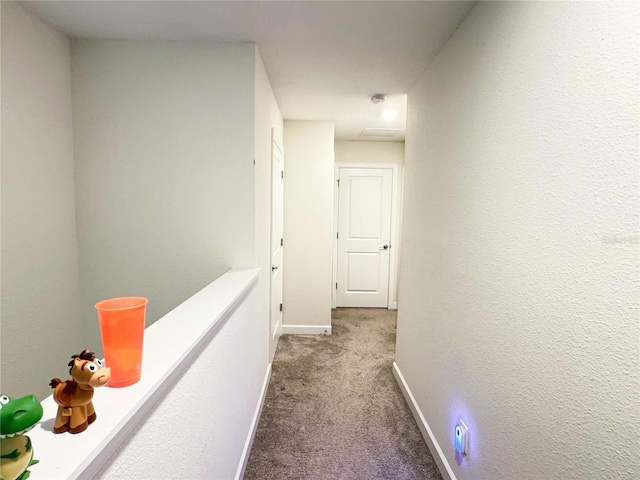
{"points": [[383, 247]]}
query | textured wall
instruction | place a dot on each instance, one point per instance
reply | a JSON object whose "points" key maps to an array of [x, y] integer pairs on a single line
{"points": [[308, 222], [199, 428], [519, 278], [40, 294], [164, 149]]}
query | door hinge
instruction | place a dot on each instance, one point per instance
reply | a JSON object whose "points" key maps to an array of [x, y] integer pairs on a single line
{"points": [[280, 307], [282, 174], [337, 234], [336, 285], [338, 183], [282, 242]]}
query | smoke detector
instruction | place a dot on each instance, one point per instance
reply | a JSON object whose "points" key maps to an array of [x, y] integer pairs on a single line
{"points": [[378, 98]]}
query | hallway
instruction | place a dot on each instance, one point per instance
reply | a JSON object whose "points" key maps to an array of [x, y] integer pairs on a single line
{"points": [[333, 409]]}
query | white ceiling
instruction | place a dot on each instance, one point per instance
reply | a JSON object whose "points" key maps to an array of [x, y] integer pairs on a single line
{"points": [[324, 58]]}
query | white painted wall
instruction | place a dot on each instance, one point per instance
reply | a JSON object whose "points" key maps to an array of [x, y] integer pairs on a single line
{"points": [[308, 226], [369, 152], [40, 293], [200, 427], [164, 149], [520, 242], [378, 152], [267, 116]]}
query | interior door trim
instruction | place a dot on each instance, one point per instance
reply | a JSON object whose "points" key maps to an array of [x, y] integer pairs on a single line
{"points": [[395, 234]]}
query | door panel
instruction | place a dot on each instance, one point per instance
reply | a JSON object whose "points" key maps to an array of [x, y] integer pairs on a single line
{"points": [[362, 272], [365, 209], [364, 228], [277, 250]]}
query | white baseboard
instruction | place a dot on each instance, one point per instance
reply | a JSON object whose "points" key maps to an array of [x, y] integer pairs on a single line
{"points": [[393, 305], [306, 329], [246, 451], [432, 443]]}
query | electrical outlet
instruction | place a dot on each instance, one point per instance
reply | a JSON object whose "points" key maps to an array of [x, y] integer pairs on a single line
{"points": [[462, 437]]}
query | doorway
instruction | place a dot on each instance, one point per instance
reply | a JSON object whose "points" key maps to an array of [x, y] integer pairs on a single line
{"points": [[365, 233]]}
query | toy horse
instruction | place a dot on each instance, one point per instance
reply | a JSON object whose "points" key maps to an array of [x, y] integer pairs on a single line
{"points": [[17, 417], [75, 409]]}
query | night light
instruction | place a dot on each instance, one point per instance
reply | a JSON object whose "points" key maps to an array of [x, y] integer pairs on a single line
{"points": [[462, 438]]}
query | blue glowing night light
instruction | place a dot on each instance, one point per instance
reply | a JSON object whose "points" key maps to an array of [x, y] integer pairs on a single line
{"points": [[462, 437]]}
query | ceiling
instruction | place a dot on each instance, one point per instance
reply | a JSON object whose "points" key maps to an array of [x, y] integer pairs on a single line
{"points": [[324, 58]]}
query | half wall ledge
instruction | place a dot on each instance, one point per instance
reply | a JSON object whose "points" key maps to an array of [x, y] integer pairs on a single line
{"points": [[170, 346]]}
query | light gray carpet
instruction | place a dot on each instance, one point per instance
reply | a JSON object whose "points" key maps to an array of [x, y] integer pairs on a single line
{"points": [[333, 409]]}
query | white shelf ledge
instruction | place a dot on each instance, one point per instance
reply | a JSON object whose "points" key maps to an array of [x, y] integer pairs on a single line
{"points": [[169, 346]]}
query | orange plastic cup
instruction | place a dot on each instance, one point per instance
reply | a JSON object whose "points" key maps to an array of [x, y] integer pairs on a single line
{"points": [[122, 331]]}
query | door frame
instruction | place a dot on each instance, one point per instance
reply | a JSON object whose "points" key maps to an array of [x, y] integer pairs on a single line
{"points": [[393, 257], [273, 341]]}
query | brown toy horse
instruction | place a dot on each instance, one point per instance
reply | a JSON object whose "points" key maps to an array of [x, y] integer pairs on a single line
{"points": [[75, 409]]}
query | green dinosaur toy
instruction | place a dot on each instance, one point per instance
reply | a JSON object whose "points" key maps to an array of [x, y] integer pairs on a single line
{"points": [[17, 417]]}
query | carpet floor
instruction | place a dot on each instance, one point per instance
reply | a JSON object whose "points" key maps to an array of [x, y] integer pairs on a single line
{"points": [[333, 409]]}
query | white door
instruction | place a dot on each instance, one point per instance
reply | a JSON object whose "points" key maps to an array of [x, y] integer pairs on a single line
{"points": [[364, 236], [277, 234]]}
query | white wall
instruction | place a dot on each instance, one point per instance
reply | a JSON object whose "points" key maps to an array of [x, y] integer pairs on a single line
{"points": [[369, 152], [519, 278], [308, 225], [379, 152], [164, 148], [200, 427], [40, 293], [267, 116]]}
